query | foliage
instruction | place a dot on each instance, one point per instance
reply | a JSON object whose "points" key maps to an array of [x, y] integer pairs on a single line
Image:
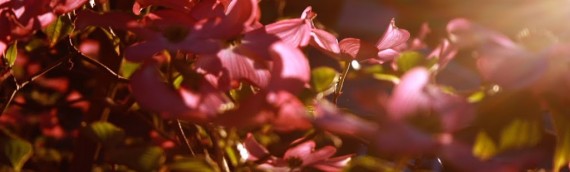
{"points": [[214, 85]]}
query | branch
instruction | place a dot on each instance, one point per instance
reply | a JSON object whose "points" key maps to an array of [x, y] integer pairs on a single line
{"points": [[182, 137], [104, 68], [19, 86], [338, 89]]}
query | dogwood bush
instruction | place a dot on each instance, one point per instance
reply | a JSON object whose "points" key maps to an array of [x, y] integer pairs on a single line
{"points": [[204, 85]]}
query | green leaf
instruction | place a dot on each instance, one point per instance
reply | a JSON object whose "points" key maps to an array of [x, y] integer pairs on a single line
{"points": [[484, 146], [147, 158], [409, 60], [520, 133], [322, 78], [373, 69], [198, 164], [386, 77], [58, 29], [369, 163], [11, 54], [105, 133], [128, 68], [17, 151]]}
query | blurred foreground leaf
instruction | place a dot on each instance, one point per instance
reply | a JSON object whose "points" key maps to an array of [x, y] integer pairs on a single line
{"points": [[368, 163], [520, 133], [17, 151], [198, 164], [409, 60], [484, 147], [147, 158]]}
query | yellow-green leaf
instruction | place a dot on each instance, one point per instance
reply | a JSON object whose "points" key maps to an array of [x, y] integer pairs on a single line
{"points": [[484, 147], [11, 54], [198, 164], [386, 77], [562, 153], [147, 158], [476, 97], [520, 133], [409, 60], [17, 151], [369, 163], [105, 132], [58, 29], [322, 78], [128, 68]]}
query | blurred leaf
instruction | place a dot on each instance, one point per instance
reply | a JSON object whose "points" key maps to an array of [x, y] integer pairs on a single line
{"points": [[232, 154], [409, 60], [105, 132], [386, 77], [520, 133], [373, 69], [562, 153], [34, 44], [368, 163], [17, 151], [476, 97], [58, 29], [562, 124], [11, 54], [322, 78], [128, 68], [198, 164], [243, 91], [177, 81], [148, 158], [484, 147]]}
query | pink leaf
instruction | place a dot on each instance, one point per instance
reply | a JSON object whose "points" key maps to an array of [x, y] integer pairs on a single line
{"points": [[291, 69], [153, 94], [295, 32], [464, 33], [240, 16], [300, 151], [325, 41], [60, 7], [120, 20], [393, 37], [331, 119], [237, 65], [408, 96], [143, 51], [357, 49], [256, 151], [510, 68]]}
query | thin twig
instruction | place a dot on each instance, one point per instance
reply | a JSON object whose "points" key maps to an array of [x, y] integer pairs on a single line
{"points": [[182, 136], [104, 68], [97, 63], [19, 86], [219, 153], [338, 90]]}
